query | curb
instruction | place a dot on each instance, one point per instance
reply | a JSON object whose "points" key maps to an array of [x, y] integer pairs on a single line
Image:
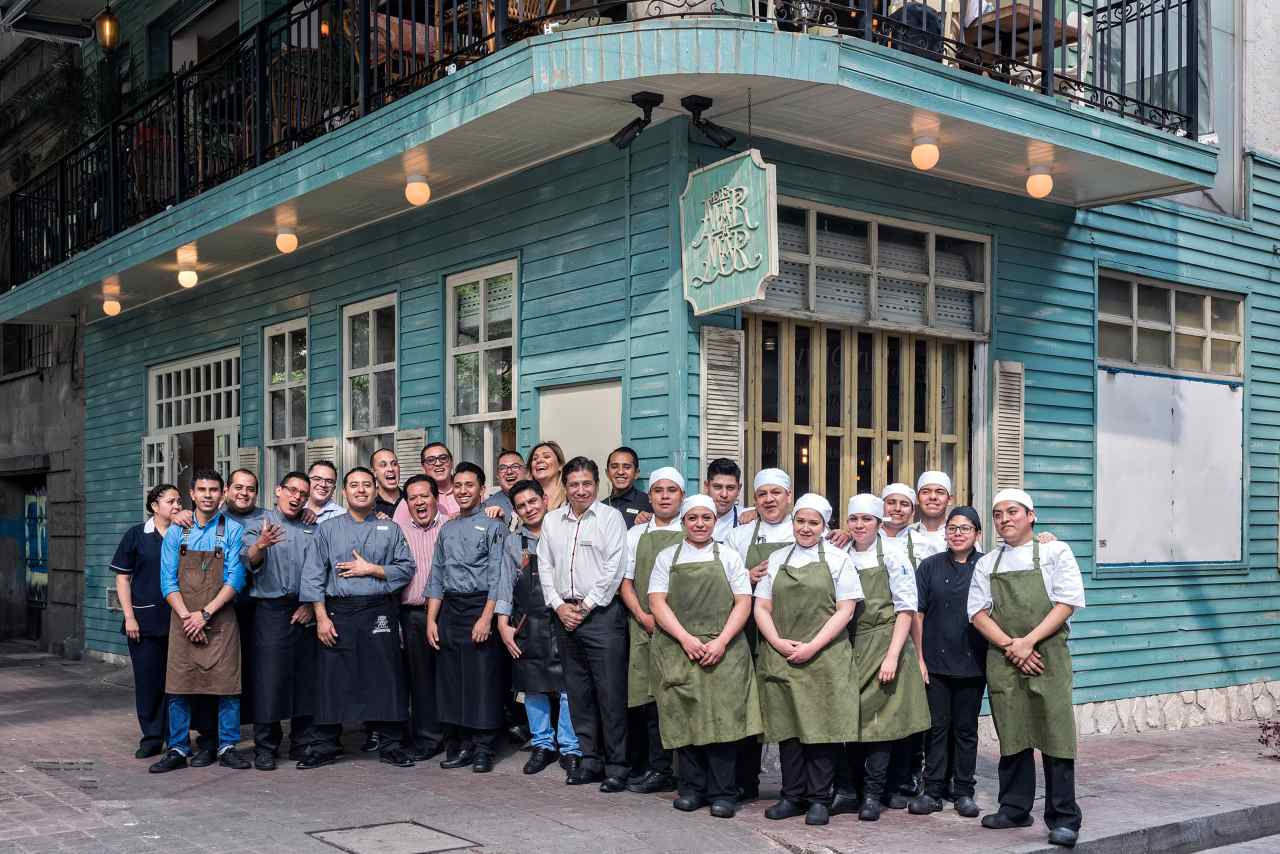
{"points": [[1185, 837]]}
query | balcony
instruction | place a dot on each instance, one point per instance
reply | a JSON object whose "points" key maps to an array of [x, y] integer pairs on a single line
{"points": [[1019, 76]]}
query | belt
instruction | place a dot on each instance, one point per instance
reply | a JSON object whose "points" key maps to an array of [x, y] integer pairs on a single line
{"points": [[569, 601]]}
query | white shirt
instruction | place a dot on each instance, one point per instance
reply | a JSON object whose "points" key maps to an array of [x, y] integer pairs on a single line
{"points": [[934, 540], [923, 544], [1058, 568], [740, 539], [734, 569], [329, 510], [725, 524], [582, 558], [633, 541], [843, 572], [902, 578]]}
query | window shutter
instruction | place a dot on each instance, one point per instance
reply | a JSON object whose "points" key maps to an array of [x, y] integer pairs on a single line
{"points": [[721, 394], [249, 458], [409, 445], [1007, 416], [322, 451]]}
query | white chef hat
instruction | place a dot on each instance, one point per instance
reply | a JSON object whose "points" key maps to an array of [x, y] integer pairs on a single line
{"points": [[667, 473], [934, 478], [815, 502], [1013, 495], [771, 477], [899, 489], [866, 503], [698, 500]]}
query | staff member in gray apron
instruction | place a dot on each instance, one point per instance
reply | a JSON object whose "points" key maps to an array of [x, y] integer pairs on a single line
{"points": [[359, 562], [1021, 597], [200, 574], [805, 669], [704, 681]]}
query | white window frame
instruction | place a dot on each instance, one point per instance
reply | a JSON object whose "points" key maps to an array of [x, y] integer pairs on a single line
{"points": [[349, 457], [272, 476], [480, 274]]}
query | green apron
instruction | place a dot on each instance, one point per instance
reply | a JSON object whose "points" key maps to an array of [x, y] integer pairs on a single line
{"points": [[703, 705], [756, 553], [815, 701], [900, 708], [1029, 711], [651, 542]]}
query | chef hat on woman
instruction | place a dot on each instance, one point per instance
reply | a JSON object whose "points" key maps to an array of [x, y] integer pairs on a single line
{"points": [[698, 500], [815, 502], [868, 504], [899, 489]]}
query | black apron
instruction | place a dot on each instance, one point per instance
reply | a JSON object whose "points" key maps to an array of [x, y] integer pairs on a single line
{"points": [[360, 677], [284, 656], [468, 675], [538, 669]]}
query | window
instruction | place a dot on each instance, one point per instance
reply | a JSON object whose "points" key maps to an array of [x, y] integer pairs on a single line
{"points": [[1169, 328], [25, 347], [285, 381], [369, 378], [193, 419], [203, 34], [836, 265], [482, 343]]}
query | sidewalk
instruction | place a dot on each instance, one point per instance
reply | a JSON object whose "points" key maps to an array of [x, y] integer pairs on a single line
{"points": [[69, 782]]}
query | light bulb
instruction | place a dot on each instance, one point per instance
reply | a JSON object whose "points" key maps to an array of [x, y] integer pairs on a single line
{"points": [[417, 191], [1039, 182], [286, 241], [188, 278], [924, 153], [111, 307]]}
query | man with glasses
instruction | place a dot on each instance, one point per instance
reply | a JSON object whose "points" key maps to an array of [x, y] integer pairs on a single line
{"points": [[323, 476], [437, 462], [511, 470]]}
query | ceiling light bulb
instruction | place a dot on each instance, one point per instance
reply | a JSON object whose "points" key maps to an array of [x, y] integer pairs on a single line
{"points": [[1039, 182], [286, 241], [417, 191], [188, 278], [924, 153], [111, 307]]}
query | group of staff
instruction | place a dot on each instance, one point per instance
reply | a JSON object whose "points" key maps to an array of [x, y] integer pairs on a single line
{"points": [[656, 640]]}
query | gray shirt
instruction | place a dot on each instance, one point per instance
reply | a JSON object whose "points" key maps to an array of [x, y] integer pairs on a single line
{"points": [[280, 573], [500, 500], [379, 541], [247, 520], [515, 545], [471, 557]]}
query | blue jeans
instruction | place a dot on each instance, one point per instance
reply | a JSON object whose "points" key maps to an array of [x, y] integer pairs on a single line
{"points": [[537, 707], [180, 723]]}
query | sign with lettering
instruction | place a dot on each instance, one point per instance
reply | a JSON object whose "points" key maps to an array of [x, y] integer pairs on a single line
{"points": [[729, 232]]}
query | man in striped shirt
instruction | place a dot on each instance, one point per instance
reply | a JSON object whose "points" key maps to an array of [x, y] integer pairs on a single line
{"points": [[421, 526]]}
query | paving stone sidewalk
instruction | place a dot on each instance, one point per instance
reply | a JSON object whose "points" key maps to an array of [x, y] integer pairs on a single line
{"points": [[69, 783]]}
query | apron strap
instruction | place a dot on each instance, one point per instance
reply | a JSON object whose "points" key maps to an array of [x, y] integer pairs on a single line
{"points": [[755, 532], [219, 537], [182, 543]]}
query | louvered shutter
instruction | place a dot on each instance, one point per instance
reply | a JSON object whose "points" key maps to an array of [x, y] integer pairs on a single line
{"points": [[721, 393], [1007, 418], [409, 445], [248, 458], [322, 451]]}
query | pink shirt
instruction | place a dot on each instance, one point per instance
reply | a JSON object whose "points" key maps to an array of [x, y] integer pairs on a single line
{"points": [[448, 504], [422, 545]]}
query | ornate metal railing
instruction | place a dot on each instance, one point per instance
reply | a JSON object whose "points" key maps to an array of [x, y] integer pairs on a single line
{"points": [[315, 65]]}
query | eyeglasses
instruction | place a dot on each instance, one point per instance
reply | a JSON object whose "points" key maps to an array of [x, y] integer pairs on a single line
{"points": [[511, 467], [324, 481], [295, 491], [438, 460], [960, 529]]}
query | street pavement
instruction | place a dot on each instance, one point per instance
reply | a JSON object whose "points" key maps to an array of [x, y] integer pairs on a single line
{"points": [[69, 783]]}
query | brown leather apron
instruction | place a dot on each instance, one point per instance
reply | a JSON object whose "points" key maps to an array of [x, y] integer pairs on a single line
{"points": [[212, 667]]}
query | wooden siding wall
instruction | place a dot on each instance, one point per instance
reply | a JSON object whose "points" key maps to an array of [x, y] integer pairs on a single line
{"points": [[1147, 633], [564, 221]]}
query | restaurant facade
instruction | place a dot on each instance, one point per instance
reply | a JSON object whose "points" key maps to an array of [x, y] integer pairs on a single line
{"points": [[1070, 298]]}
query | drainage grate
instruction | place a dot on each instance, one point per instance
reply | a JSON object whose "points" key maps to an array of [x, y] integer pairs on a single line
{"points": [[400, 837]]}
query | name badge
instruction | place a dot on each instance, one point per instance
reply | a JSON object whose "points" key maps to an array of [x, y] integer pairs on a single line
{"points": [[479, 528], [634, 511], [586, 544], [384, 528]]}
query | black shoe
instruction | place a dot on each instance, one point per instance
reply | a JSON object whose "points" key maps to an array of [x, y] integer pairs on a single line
{"points": [[519, 734], [202, 758], [419, 754], [458, 760], [397, 757], [1064, 836], [653, 782], [870, 810], [570, 762], [371, 743], [313, 759], [539, 760], [817, 814], [845, 802], [148, 752], [785, 808], [689, 804], [895, 801], [913, 787], [582, 777], [1000, 821], [724, 809], [172, 761], [482, 764], [613, 784], [748, 793], [967, 806], [297, 751], [232, 758], [264, 760], [924, 805]]}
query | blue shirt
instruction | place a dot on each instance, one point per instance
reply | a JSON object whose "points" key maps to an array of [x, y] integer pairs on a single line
{"points": [[203, 539]]}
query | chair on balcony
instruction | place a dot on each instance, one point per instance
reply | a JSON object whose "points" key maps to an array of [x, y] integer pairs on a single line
{"points": [[306, 93], [1005, 40], [398, 48]]}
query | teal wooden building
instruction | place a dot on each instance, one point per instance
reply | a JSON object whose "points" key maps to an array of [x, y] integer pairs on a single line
{"points": [[1112, 343]]}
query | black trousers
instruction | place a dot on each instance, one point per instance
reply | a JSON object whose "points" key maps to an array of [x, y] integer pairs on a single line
{"points": [[747, 766], [867, 767], [460, 738], [424, 730], [302, 733], [913, 758], [148, 656], [952, 753], [328, 737], [644, 741], [706, 771], [1018, 788], [594, 658], [808, 770]]}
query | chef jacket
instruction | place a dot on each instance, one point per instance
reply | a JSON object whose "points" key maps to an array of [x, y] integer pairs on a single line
{"points": [[379, 541], [735, 570], [1062, 580], [471, 557], [280, 573], [633, 541], [843, 573], [902, 578], [952, 646], [740, 538]]}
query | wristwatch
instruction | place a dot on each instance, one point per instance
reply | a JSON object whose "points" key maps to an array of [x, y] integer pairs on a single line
{"points": [[205, 615]]}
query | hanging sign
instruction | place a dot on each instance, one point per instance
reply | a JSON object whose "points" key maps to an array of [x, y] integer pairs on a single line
{"points": [[729, 232]]}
